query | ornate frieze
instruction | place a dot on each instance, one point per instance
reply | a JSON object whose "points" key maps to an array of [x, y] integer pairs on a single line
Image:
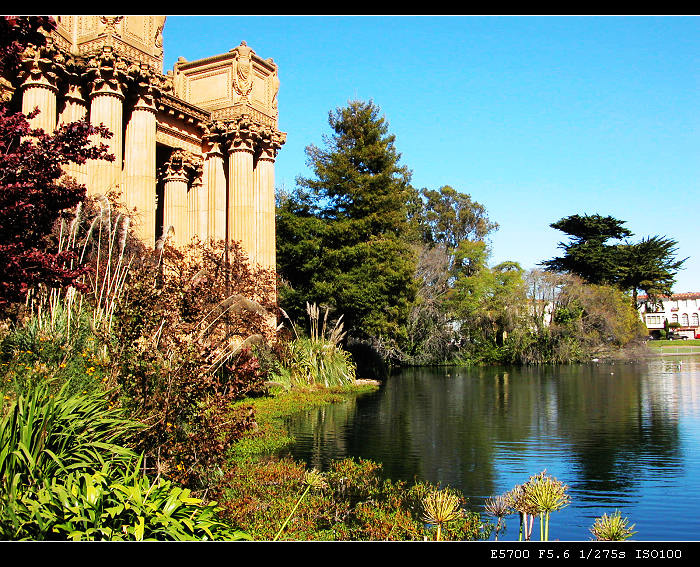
{"points": [[139, 39]]}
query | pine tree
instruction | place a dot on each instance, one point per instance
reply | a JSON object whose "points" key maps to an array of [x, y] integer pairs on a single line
{"points": [[342, 235]]}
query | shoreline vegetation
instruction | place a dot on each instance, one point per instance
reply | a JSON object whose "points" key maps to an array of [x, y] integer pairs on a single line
{"points": [[139, 386]]}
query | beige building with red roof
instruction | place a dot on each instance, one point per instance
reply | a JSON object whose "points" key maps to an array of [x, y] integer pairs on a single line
{"points": [[680, 310]]}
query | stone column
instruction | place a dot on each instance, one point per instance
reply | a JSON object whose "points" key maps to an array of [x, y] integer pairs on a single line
{"points": [[264, 182], [74, 110], [215, 190], [139, 188], [194, 202], [39, 74], [175, 198], [107, 73], [241, 211], [42, 95]]}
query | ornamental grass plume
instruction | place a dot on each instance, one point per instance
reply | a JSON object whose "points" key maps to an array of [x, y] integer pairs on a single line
{"points": [[612, 528], [439, 508]]}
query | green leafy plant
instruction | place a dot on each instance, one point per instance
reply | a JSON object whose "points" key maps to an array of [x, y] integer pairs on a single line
{"points": [[67, 472], [44, 434], [111, 505]]}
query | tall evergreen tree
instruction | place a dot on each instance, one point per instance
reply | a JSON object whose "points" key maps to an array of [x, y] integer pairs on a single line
{"points": [[649, 265], [587, 253], [342, 235]]}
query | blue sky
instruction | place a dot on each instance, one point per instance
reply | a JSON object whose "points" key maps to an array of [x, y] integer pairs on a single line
{"points": [[537, 118]]}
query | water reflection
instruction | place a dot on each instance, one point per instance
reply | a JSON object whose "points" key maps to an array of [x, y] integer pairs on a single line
{"points": [[622, 435]]}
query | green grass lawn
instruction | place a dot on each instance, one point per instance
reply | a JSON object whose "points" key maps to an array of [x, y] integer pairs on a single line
{"points": [[676, 343]]}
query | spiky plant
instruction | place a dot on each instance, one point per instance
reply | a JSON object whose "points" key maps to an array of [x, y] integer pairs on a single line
{"points": [[439, 508], [517, 501], [612, 528], [312, 479], [546, 494], [320, 358], [499, 507]]}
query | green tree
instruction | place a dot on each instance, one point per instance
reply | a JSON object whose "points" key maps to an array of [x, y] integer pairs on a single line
{"points": [[343, 235], [587, 254], [448, 217], [649, 266]]}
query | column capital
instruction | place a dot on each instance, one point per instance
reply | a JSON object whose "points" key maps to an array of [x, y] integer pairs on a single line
{"points": [[42, 66], [147, 85], [181, 166], [269, 143], [214, 137], [241, 135], [107, 74], [74, 94]]}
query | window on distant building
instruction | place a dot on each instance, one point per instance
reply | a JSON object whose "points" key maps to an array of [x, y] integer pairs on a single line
{"points": [[695, 320], [674, 318], [684, 319]]}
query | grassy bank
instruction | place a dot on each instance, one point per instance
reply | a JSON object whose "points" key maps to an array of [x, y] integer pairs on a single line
{"points": [[269, 434], [687, 346], [675, 343], [271, 498]]}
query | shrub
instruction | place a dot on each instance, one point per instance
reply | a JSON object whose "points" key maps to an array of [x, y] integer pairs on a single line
{"points": [[182, 353], [612, 528], [318, 360], [67, 472], [354, 503]]}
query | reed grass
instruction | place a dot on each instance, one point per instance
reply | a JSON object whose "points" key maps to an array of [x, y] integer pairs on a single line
{"points": [[319, 359]]}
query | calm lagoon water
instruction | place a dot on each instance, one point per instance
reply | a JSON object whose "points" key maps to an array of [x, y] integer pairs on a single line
{"points": [[622, 436]]}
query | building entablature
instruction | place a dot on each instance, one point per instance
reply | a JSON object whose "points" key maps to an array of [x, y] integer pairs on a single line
{"points": [[137, 38], [231, 85]]}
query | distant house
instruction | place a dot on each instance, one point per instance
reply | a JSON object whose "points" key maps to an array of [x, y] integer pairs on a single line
{"points": [[681, 310]]}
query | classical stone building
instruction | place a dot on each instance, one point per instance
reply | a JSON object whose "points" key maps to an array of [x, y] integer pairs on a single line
{"points": [[195, 148]]}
